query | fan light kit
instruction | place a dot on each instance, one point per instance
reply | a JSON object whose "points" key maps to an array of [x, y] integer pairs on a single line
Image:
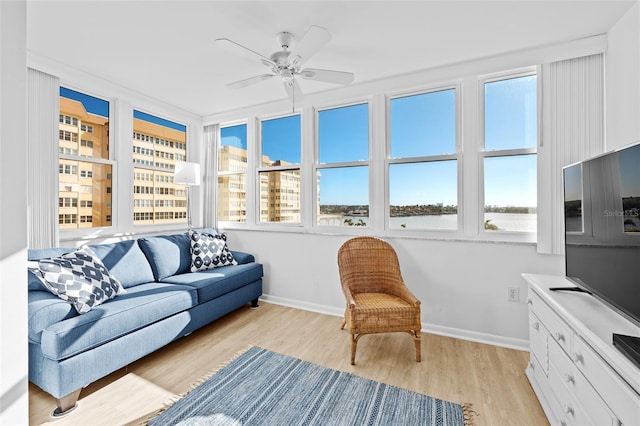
{"points": [[287, 63]]}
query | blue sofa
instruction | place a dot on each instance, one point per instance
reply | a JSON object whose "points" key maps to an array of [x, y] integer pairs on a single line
{"points": [[164, 301]]}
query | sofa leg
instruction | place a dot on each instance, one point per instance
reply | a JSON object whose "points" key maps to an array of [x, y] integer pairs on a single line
{"points": [[254, 304], [66, 404]]}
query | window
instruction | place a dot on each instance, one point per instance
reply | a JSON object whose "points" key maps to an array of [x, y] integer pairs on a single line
{"points": [[232, 174], [423, 164], [156, 145], [67, 202], [68, 168], [509, 156], [78, 113], [279, 173], [67, 219], [342, 172]]}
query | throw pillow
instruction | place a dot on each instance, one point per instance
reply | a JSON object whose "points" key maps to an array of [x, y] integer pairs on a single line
{"points": [[79, 278], [209, 251]]}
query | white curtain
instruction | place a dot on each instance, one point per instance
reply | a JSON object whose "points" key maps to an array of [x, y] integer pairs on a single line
{"points": [[209, 180], [42, 150], [572, 129]]}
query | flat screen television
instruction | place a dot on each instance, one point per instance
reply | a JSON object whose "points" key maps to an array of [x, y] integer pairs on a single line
{"points": [[602, 228]]}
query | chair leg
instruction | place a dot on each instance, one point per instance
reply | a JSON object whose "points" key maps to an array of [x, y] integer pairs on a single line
{"points": [[344, 322], [417, 340], [354, 344]]}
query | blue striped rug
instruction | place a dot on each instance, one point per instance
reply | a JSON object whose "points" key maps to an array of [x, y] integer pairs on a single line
{"points": [[261, 387]]}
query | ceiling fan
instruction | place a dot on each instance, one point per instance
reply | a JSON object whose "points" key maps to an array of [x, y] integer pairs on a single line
{"points": [[287, 63]]}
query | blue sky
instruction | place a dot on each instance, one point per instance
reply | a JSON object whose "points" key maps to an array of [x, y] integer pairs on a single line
{"points": [[281, 139], [91, 104], [101, 107], [420, 125]]}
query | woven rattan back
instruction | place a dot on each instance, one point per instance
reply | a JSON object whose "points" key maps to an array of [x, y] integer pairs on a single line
{"points": [[369, 265]]}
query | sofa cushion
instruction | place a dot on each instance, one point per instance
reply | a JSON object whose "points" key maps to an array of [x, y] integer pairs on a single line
{"points": [[209, 250], [126, 261], [45, 309], [37, 254], [80, 278], [34, 278], [216, 282], [141, 306], [242, 257], [167, 254]]}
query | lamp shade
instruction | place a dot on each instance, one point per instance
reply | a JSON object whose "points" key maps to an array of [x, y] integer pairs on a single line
{"points": [[187, 173]]}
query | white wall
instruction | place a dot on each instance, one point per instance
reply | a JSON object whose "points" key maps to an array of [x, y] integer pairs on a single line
{"points": [[462, 285], [623, 81], [13, 205]]}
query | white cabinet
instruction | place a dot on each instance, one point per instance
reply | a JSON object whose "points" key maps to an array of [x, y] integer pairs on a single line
{"points": [[579, 377]]}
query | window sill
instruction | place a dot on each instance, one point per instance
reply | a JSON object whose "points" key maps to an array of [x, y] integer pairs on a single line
{"points": [[500, 237]]}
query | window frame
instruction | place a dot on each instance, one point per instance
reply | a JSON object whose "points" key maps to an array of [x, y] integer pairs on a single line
{"points": [[509, 235], [259, 168], [469, 112], [80, 232], [121, 107], [317, 165], [457, 156], [224, 173]]}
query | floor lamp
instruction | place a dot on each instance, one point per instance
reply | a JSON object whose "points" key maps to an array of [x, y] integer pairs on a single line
{"points": [[189, 175]]}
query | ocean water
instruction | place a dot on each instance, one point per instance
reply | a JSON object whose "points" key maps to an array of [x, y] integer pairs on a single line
{"points": [[515, 222]]}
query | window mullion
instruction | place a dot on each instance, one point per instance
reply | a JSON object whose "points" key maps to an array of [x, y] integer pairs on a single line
{"points": [[508, 152]]}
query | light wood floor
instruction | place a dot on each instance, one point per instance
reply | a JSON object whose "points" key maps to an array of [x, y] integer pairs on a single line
{"points": [[489, 377]]}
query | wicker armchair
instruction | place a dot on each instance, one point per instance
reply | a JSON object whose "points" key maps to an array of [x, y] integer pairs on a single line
{"points": [[377, 299]]}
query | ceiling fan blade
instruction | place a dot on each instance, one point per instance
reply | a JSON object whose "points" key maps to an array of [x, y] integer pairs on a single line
{"points": [[240, 50], [293, 90], [311, 42], [249, 81], [329, 76]]}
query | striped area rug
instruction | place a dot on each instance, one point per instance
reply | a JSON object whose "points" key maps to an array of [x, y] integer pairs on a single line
{"points": [[261, 387]]}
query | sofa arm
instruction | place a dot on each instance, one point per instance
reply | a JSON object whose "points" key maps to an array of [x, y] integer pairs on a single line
{"points": [[242, 257]]}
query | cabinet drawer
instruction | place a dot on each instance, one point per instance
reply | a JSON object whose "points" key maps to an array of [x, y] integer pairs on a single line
{"points": [[572, 412], [579, 387], [622, 400], [538, 342], [558, 329]]}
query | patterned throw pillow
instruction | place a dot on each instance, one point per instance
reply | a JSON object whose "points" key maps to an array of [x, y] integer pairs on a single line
{"points": [[209, 251], [79, 278]]}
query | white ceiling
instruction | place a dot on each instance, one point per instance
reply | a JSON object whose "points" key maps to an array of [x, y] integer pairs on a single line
{"points": [[166, 49]]}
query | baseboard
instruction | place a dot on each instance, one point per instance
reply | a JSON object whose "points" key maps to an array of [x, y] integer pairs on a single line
{"points": [[473, 336], [305, 306]]}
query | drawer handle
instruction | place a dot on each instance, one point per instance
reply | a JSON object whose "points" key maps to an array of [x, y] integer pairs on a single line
{"points": [[536, 326], [529, 302], [569, 378], [578, 358], [568, 409], [560, 337]]}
